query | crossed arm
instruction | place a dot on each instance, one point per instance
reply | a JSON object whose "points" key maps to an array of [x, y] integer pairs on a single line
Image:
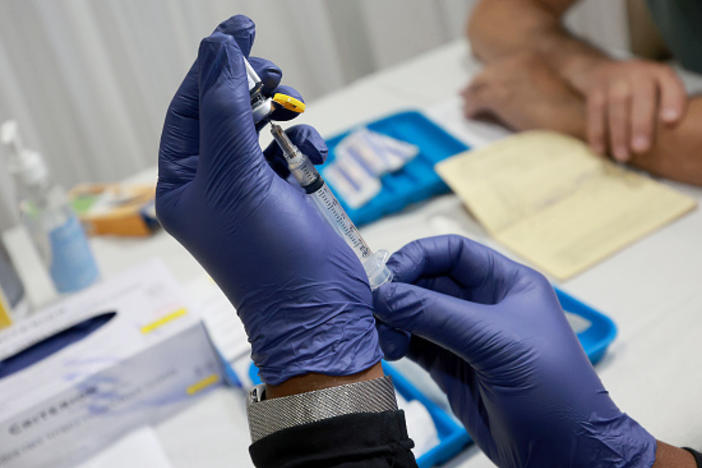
{"points": [[634, 110]]}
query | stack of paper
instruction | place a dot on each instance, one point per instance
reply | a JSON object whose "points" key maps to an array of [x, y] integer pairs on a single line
{"points": [[548, 198], [140, 448], [224, 327], [420, 426]]}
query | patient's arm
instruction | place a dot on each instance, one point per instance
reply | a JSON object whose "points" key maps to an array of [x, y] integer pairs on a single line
{"points": [[498, 28], [626, 99], [524, 93], [677, 151]]}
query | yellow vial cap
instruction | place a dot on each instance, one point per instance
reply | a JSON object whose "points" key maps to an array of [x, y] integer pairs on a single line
{"points": [[289, 103]]}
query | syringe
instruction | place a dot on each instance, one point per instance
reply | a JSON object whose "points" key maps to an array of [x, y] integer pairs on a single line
{"points": [[312, 182]]}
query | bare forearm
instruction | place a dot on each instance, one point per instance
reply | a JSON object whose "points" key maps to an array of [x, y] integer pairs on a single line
{"points": [[677, 151], [310, 382], [669, 456], [498, 28], [526, 94]]}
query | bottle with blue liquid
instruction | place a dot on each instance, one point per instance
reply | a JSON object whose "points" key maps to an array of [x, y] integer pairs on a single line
{"points": [[51, 222]]}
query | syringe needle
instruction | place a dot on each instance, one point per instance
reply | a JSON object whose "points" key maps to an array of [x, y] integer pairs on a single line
{"points": [[329, 207], [282, 139]]}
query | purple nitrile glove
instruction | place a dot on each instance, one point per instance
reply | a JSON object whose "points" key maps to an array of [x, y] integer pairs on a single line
{"points": [[493, 336], [299, 290]]}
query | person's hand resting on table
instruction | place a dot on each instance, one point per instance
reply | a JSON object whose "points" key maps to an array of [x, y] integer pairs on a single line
{"points": [[300, 291], [493, 336], [636, 111], [625, 99], [523, 93]]}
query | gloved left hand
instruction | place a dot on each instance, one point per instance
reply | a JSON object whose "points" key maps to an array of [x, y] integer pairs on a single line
{"points": [[493, 336], [300, 291]]}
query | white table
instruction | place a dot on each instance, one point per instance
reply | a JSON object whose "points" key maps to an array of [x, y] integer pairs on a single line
{"points": [[653, 289]]}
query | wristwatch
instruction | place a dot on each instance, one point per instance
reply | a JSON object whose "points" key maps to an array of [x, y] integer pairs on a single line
{"points": [[269, 416]]}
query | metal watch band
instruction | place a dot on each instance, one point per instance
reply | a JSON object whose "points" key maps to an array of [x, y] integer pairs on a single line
{"points": [[269, 416]]}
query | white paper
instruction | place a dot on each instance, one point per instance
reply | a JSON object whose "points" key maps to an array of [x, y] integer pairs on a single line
{"points": [[138, 449], [420, 426], [218, 314], [354, 184], [577, 322]]}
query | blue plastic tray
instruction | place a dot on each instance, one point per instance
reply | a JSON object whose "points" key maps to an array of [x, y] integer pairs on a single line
{"points": [[597, 337], [416, 181], [452, 435]]}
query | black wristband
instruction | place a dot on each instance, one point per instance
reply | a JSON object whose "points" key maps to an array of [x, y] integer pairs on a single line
{"points": [[697, 455], [368, 440]]}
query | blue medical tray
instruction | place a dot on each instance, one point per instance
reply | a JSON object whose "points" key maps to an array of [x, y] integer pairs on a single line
{"points": [[597, 337], [452, 435], [416, 181]]}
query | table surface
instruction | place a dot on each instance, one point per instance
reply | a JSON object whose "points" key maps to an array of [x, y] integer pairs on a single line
{"points": [[651, 289]]}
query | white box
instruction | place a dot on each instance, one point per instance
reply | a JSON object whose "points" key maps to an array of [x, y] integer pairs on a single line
{"points": [[150, 360]]}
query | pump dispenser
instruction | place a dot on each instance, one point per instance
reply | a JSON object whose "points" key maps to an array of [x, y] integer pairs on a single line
{"points": [[24, 164], [45, 212]]}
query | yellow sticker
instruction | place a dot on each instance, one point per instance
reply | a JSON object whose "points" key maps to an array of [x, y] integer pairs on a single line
{"points": [[148, 328], [202, 384], [289, 103], [5, 320]]}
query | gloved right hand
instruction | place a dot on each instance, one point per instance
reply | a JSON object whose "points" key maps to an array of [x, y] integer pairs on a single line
{"points": [[299, 290], [493, 336]]}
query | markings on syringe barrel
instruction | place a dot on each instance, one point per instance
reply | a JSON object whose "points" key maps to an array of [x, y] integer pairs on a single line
{"points": [[306, 175], [351, 234], [313, 184]]}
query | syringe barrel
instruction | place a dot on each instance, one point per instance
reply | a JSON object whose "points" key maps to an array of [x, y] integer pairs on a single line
{"points": [[334, 213], [300, 165], [305, 173], [373, 262], [329, 207]]}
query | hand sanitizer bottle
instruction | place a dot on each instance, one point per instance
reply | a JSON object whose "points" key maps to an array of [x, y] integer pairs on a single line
{"points": [[51, 222]]}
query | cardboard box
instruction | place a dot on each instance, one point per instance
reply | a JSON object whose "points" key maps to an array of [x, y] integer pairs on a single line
{"points": [[150, 360], [115, 209]]}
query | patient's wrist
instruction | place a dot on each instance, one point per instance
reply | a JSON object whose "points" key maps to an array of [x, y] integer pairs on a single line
{"points": [[577, 70]]}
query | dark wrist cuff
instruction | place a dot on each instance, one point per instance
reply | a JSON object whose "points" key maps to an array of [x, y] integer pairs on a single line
{"points": [[697, 455], [369, 440]]}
